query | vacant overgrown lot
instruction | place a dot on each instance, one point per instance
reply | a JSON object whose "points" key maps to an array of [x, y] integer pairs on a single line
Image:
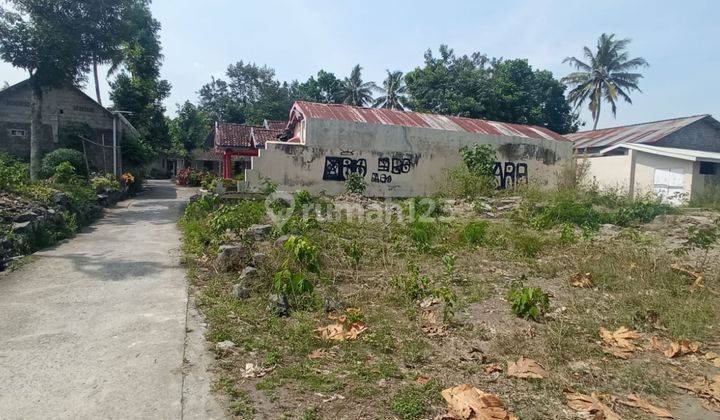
{"points": [[427, 303]]}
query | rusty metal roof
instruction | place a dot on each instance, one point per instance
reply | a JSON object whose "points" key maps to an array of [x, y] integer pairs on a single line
{"points": [[262, 135], [233, 135], [649, 132], [311, 110]]}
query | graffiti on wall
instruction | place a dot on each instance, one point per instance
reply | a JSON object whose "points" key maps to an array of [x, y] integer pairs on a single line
{"points": [[510, 174], [339, 168]]}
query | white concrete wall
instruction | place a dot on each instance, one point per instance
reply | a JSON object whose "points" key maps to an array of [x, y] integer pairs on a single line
{"points": [[418, 158], [610, 171], [646, 164]]}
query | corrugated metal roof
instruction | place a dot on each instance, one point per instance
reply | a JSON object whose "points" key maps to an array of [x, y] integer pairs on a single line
{"points": [[684, 154], [639, 133], [383, 116]]}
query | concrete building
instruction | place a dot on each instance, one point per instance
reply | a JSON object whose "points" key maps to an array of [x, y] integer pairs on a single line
{"points": [[400, 154], [675, 159], [67, 115]]}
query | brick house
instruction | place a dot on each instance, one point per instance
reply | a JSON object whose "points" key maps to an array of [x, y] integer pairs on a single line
{"points": [[69, 118]]}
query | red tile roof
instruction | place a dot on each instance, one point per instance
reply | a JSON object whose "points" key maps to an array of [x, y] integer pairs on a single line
{"points": [[262, 135], [233, 135], [275, 125], [383, 116], [650, 132]]}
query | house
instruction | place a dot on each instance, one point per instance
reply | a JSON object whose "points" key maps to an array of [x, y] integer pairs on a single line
{"points": [[400, 154], [676, 158], [70, 118], [229, 147]]}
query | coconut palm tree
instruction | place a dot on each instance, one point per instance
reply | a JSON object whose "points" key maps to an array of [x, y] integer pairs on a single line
{"points": [[605, 75], [393, 92], [356, 92]]}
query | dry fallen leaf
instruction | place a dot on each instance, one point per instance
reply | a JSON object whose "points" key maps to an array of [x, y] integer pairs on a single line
{"points": [[422, 380], [341, 330], [430, 324], [709, 390], [590, 405], [492, 368], [679, 348], [320, 354], [254, 371], [526, 368], [583, 280], [466, 402], [635, 401], [714, 358], [621, 342], [654, 343], [428, 302]]}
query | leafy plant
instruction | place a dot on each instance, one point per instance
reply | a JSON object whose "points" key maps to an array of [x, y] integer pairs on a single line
{"points": [[104, 183], [413, 286], [479, 159], [237, 217], [475, 232], [528, 302], [414, 401], [356, 183], [449, 300], [14, 175], [291, 280], [703, 238], [354, 253], [303, 253], [292, 283], [51, 161], [422, 233]]}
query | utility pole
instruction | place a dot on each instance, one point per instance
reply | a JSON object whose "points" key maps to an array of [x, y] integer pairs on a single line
{"points": [[116, 114]]}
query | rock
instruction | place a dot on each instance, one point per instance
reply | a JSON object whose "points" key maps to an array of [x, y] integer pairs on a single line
{"points": [[260, 231], [61, 199], [27, 216], [278, 304], [240, 291], [259, 259], [249, 275], [225, 345], [22, 227], [230, 256], [331, 304], [281, 240]]}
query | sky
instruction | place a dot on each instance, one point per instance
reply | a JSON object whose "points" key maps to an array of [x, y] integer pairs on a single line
{"points": [[680, 40]]}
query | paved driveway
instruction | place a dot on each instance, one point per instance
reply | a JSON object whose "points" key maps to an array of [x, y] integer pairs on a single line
{"points": [[96, 327]]}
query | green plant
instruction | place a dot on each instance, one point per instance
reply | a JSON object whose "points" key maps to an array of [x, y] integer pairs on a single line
{"points": [[269, 187], [703, 238], [51, 160], [479, 159], [414, 401], [422, 233], [355, 183], [528, 302], [64, 174], [237, 217], [567, 234], [14, 175], [303, 253], [104, 183], [475, 232], [292, 283], [302, 258], [354, 253], [412, 286], [462, 183], [449, 299], [303, 198]]}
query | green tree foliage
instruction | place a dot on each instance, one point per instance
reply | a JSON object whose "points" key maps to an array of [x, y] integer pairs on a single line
{"points": [[476, 86], [356, 92], [605, 75], [393, 92], [250, 95], [325, 89], [190, 128], [51, 161], [42, 38], [138, 88]]}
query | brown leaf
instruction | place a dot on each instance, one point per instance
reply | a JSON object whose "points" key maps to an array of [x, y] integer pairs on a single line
{"points": [[621, 342], [654, 343], [590, 405], [492, 368], [682, 347], [583, 280], [430, 324], [714, 358], [320, 354], [526, 368], [635, 401], [428, 302], [341, 332], [709, 390], [422, 380], [466, 402]]}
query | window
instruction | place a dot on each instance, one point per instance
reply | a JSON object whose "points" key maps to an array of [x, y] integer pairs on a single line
{"points": [[708, 168], [14, 132]]}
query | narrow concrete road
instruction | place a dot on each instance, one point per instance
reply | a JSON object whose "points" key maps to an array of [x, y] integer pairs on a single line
{"points": [[95, 327]]}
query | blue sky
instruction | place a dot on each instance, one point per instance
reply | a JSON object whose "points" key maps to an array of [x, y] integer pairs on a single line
{"points": [[680, 39]]}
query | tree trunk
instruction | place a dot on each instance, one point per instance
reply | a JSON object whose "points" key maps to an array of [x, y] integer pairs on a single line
{"points": [[97, 81], [35, 131], [597, 114]]}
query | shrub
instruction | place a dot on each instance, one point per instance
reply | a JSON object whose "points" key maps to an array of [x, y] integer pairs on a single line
{"points": [[51, 160], [528, 302], [104, 183], [479, 159], [355, 183], [424, 207], [292, 280], [474, 232], [412, 286], [237, 217], [13, 174]]}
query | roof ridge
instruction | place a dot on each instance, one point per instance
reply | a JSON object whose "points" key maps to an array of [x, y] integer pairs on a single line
{"points": [[642, 123]]}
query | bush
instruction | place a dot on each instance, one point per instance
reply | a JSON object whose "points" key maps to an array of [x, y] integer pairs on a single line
{"points": [[237, 217], [51, 161], [104, 183], [474, 232], [528, 302], [479, 159], [13, 174]]}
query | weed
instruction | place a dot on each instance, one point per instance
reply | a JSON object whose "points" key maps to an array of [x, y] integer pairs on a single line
{"points": [[567, 234], [237, 217], [479, 159], [528, 302], [449, 299], [412, 286], [354, 252], [422, 233], [356, 183], [703, 238], [474, 232], [414, 401]]}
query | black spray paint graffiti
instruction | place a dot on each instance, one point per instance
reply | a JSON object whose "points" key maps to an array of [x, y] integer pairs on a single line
{"points": [[510, 174], [340, 168]]}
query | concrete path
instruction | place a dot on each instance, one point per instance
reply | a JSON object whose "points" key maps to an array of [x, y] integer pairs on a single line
{"points": [[95, 327]]}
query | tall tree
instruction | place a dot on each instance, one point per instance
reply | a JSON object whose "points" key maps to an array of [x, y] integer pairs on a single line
{"points": [[355, 91], [41, 37], [139, 89], [606, 75], [326, 89], [190, 128], [393, 93]]}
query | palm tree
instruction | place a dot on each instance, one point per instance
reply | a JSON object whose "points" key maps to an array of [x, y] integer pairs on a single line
{"points": [[356, 92], [605, 76], [393, 92]]}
